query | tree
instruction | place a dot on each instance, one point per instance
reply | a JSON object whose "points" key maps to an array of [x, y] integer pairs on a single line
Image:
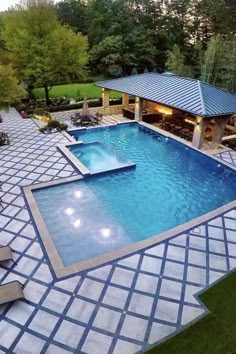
{"points": [[212, 61], [219, 66], [73, 13], [42, 51], [10, 91], [3, 57], [177, 20], [123, 52], [135, 23], [219, 16], [107, 53], [175, 62], [228, 65]]}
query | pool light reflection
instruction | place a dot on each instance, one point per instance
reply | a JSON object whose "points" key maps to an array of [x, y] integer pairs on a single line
{"points": [[69, 211], [105, 232], [77, 223], [78, 194]]}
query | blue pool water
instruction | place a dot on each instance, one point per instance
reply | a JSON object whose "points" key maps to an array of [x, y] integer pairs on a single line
{"points": [[171, 184], [98, 157]]}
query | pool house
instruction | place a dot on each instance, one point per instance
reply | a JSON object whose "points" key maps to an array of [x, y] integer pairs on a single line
{"points": [[189, 107]]}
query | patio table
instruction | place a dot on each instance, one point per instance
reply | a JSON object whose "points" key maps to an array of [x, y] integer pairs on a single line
{"points": [[87, 120]]}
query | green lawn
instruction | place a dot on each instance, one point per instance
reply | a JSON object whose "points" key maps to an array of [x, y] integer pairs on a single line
{"points": [[213, 334], [75, 91]]}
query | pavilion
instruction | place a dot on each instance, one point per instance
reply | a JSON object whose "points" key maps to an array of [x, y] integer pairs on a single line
{"points": [[168, 94]]}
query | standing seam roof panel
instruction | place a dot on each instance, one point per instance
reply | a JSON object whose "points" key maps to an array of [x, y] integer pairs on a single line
{"points": [[185, 94]]}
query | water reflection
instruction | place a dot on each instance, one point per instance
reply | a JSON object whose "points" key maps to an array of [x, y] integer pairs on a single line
{"points": [[69, 211], [105, 232]]}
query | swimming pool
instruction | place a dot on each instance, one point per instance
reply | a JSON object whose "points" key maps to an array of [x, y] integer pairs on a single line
{"points": [[171, 185]]}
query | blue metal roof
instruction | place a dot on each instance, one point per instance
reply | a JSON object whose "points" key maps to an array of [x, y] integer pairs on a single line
{"points": [[189, 95]]}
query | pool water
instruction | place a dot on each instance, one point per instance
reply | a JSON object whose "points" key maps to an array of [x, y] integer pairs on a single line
{"points": [[98, 157], [171, 184]]}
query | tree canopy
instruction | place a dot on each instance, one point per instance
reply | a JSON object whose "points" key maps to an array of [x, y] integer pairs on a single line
{"points": [[153, 34], [42, 51], [10, 91], [175, 62]]}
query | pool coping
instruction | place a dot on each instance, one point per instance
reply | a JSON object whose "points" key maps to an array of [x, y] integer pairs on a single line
{"points": [[62, 271]]}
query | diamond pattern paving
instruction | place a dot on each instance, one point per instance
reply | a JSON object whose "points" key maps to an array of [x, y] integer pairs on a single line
{"points": [[228, 156], [122, 307]]}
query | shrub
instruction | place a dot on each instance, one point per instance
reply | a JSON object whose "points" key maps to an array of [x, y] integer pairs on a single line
{"points": [[54, 124], [115, 101], [63, 126], [134, 71], [39, 111], [20, 107]]}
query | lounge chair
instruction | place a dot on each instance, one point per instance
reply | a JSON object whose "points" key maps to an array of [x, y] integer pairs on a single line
{"points": [[11, 292], [6, 254]]}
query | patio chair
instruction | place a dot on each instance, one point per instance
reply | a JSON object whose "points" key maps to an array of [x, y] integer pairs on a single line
{"points": [[4, 139], [6, 254], [11, 292], [75, 118], [99, 118]]}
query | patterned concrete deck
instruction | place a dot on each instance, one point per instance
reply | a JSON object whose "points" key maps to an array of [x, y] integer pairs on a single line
{"points": [[122, 307]]}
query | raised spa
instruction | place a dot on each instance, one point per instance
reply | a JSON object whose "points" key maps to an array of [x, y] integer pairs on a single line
{"points": [[98, 157]]}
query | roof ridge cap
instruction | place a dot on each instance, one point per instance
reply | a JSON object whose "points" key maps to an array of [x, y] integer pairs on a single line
{"points": [[201, 97]]}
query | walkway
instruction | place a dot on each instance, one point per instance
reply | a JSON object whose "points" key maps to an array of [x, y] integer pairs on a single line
{"points": [[122, 307]]}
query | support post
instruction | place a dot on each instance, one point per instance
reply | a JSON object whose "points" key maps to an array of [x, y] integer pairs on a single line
{"points": [[199, 130], [138, 108], [218, 133], [125, 100], [105, 99]]}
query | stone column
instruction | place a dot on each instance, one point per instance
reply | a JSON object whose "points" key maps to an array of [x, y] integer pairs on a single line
{"points": [[105, 99], [138, 108], [218, 133], [199, 130], [125, 100]]}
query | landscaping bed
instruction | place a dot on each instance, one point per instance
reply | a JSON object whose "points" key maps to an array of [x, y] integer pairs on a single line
{"points": [[59, 105]]}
